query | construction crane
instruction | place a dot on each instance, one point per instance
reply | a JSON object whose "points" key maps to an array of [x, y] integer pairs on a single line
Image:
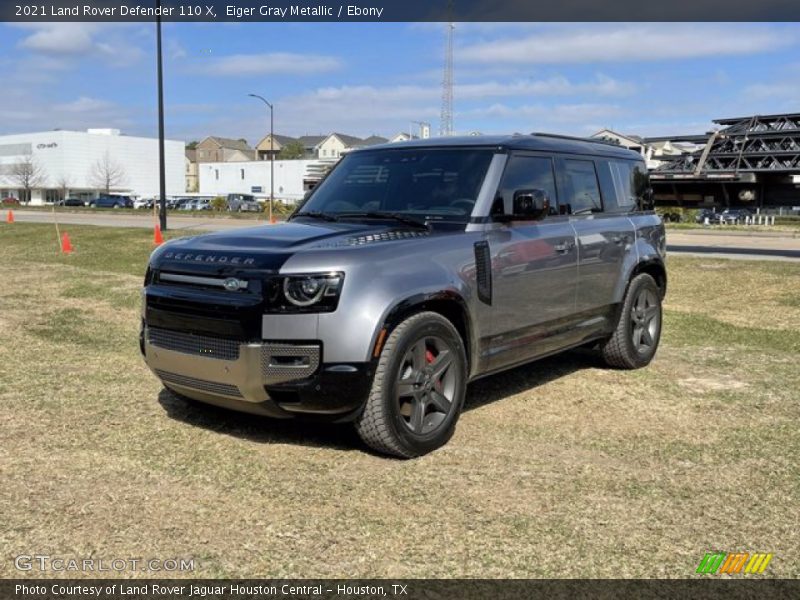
{"points": [[446, 119]]}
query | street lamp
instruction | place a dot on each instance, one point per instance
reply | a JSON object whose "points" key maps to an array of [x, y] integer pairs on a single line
{"points": [[271, 153], [162, 184]]}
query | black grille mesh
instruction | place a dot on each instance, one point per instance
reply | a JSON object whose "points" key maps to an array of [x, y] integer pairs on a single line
{"points": [[189, 343], [199, 384]]}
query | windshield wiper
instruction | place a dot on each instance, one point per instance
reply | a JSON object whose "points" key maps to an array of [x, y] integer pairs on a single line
{"points": [[387, 215], [317, 214]]}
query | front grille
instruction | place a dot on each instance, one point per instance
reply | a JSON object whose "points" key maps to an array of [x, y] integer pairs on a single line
{"points": [[189, 343], [199, 384], [282, 363]]}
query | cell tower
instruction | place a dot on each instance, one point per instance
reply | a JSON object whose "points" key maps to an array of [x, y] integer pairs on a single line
{"points": [[446, 119]]}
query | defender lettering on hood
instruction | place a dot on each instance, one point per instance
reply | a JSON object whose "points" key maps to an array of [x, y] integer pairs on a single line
{"points": [[209, 258]]}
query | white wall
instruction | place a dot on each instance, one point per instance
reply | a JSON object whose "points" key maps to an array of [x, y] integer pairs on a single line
{"points": [[226, 178], [74, 154]]}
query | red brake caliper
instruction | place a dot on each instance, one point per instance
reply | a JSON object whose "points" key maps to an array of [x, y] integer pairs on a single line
{"points": [[429, 359]]}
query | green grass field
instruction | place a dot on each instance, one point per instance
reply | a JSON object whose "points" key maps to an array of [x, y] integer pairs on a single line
{"points": [[561, 468]]}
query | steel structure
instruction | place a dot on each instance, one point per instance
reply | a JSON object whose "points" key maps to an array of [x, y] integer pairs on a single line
{"points": [[756, 144], [446, 119]]}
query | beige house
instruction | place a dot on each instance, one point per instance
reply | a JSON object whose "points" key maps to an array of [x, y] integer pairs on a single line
{"points": [[654, 152], [632, 142], [272, 145], [218, 149], [402, 137], [191, 170], [337, 144]]}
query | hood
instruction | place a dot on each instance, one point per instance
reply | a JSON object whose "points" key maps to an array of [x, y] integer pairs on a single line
{"points": [[267, 247]]}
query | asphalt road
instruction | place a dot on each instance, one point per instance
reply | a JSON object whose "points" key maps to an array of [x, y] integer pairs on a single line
{"points": [[701, 242], [112, 219]]}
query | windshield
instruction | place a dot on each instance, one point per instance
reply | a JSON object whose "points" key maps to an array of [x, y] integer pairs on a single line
{"points": [[440, 184]]}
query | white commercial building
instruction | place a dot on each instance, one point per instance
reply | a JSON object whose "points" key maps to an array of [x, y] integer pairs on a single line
{"points": [[292, 178], [75, 160]]}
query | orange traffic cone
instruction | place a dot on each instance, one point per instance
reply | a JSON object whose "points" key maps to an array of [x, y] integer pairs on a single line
{"points": [[66, 245], [10, 216], [158, 239]]}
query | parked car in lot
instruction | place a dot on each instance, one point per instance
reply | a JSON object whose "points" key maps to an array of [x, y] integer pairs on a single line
{"points": [[112, 202], [735, 215], [70, 202], [707, 213], [143, 203], [243, 203], [409, 271], [175, 203], [10, 201]]}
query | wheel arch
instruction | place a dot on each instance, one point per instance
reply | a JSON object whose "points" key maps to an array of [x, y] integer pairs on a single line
{"points": [[656, 269], [448, 304]]}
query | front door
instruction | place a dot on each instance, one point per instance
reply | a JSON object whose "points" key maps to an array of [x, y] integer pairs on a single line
{"points": [[533, 267]]}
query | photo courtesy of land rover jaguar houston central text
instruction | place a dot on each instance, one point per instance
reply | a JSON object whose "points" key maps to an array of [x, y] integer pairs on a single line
{"points": [[409, 271]]}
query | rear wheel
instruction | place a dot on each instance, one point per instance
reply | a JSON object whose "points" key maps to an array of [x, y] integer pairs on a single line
{"points": [[635, 340], [418, 390]]}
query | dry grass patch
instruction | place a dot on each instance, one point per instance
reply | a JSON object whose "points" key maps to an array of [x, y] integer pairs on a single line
{"points": [[637, 473]]}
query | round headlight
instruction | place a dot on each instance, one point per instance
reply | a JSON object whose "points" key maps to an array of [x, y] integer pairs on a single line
{"points": [[303, 291]]}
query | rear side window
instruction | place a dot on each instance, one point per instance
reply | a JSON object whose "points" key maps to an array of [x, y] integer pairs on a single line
{"points": [[583, 190], [526, 173], [631, 182]]}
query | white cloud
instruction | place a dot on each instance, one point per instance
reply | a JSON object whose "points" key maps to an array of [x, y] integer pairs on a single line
{"points": [[60, 38], [624, 43], [84, 104], [60, 42], [287, 63]]}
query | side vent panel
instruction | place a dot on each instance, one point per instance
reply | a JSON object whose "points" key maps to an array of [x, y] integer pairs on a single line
{"points": [[483, 271]]}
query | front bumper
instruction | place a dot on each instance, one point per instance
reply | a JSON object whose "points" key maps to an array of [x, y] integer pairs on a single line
{"points": [[275, 379]]}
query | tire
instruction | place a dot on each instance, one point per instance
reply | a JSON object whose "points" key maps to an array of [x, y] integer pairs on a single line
{"points": [[411, 424], [635, 339]]}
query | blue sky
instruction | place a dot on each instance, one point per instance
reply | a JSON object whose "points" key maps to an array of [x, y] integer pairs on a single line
{"points": [[375, 78]]}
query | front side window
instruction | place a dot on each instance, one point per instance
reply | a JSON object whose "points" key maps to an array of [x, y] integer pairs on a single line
{"points": [[526, 173], [433, 184], [583, 191]]}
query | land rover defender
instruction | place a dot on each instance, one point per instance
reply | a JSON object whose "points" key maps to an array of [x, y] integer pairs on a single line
{"points": [[410, 270]]}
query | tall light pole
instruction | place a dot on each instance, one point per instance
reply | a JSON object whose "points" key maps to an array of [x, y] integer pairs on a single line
{"points": [[271, 152], [162, 203]]}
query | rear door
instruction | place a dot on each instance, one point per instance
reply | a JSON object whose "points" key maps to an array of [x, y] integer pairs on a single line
{"points": [[533, 265], [604, 232]]}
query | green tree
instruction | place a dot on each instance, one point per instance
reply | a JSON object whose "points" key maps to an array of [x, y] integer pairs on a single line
{"points": [[219, 204], [292, 151]]}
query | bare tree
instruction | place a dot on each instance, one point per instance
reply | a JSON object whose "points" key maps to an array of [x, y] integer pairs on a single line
{"points": [[63, 183], [28, 174], [107, 174]]}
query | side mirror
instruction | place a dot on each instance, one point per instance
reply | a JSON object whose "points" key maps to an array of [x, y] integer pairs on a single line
{"points": [[530, 205], [648, 199]]}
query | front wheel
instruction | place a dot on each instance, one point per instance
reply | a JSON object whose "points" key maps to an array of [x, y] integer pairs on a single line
{"points": [[635, 339], [418, 390]]}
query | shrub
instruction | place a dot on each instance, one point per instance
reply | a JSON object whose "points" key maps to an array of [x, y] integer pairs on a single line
{"points": [[219, 204]]}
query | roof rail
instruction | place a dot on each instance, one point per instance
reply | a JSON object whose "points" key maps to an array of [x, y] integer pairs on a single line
{"points": [[576, 138]]}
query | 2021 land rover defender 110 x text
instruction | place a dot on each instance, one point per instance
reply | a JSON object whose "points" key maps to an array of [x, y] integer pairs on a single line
{"points": [[409, 271]]}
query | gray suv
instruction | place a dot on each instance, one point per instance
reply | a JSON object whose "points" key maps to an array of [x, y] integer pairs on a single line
{"points": [[409, 271]]}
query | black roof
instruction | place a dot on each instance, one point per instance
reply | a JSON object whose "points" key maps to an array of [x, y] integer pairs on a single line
{"points": [[544, 142]]}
